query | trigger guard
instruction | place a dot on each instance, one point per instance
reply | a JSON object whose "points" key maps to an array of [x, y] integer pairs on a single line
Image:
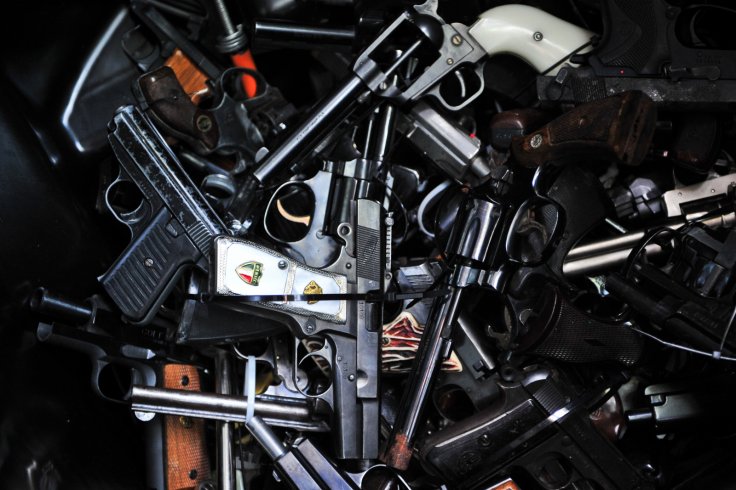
{"points": [[327, 394], [130, 218], [324, 352], [435, 91], [98, 366], [268, 209], [316, 354], [271, 202]]}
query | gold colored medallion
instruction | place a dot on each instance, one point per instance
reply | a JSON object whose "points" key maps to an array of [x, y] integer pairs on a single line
{"points": [[312, 288]]}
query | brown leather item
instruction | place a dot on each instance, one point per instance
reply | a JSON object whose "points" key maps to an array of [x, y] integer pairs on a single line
{"points": [[185, 452], [618, 128]]}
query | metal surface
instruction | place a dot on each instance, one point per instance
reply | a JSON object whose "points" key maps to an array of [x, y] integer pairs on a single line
{"points": [[233, 40], [301, 36], [603, 261], [534, 422], [53, 305], [322, 119], [303, 465], [476, 234], [316, 249], [472, 335], [435, 342], [266, 437], [607, 253], [223, 386], [349, 331], [447, 146], [677, 199], [173, 223], [473, 245], [368, 77], [277, 411]]}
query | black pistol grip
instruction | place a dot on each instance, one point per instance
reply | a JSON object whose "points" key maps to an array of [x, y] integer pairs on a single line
{"points": [[145, 273], [561, 331], [635, 35]]}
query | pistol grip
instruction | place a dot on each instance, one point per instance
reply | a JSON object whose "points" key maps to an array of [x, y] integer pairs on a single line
{"points": [[529, 33], [559, 330], [146, 272], [617, 128], [635, 36], [173, 108], [185, 446]]}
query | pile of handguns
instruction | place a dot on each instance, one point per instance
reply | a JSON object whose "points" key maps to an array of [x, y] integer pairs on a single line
{"points": [[495, 249]]}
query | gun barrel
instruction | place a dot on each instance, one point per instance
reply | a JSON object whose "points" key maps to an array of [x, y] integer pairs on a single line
{"points": [[47, 303], [227, 408]]}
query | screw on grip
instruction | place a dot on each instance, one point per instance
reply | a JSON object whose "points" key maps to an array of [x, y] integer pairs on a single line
{"points": [[172, 227], [558, 330], [618, 128], [545, 322]]}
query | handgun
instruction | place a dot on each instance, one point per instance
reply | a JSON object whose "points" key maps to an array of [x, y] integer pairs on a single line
{"points": [[539, 431], [543, 320], [329, 310], [108, 354], [449, 69], [171, 223], [136, 357], [642, 49]]}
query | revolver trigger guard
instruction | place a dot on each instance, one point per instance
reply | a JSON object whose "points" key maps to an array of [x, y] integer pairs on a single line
{"points": [[235, 71], [436, 93]]}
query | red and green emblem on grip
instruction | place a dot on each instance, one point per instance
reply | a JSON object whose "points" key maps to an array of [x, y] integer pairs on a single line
{"points": [[250, 272]]}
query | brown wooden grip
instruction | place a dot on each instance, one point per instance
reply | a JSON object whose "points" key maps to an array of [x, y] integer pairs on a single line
{"points": [[185, 452], [172, 108], [192, 79], [618, 128]]}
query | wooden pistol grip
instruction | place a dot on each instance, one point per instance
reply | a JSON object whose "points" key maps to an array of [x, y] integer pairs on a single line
{"points": [[617, 128], [192, 79], [185, 451]]}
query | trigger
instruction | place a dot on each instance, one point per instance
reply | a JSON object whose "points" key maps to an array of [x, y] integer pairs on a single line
{"points": [[304, 220], [461, 84], [460, 89]]}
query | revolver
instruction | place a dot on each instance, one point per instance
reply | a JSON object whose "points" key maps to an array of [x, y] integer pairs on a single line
{"points": [[448, 68], [543, 321]]}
